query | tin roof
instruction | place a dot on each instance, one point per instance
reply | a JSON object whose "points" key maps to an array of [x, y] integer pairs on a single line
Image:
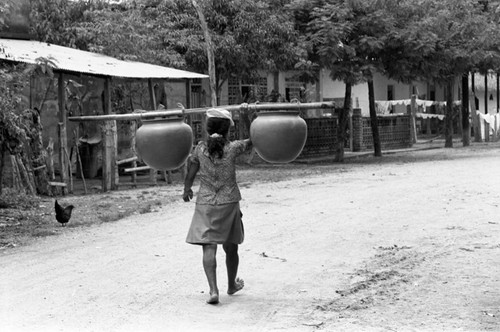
{"points": [[73, 60]]}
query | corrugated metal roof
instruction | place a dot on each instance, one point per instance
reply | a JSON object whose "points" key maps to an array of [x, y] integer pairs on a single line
{"points": [[73, 60]]}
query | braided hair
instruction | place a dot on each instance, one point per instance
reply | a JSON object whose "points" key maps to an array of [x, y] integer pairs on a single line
{"points": [[218, 131]]}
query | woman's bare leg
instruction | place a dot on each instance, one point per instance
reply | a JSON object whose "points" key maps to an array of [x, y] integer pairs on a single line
{"points": [[210, 267], [232, 261]]}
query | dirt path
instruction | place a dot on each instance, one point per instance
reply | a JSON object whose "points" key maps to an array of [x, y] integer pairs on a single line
{"points": [[405, 244]]}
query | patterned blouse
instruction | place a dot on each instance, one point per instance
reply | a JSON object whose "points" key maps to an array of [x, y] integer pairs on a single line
{"points": [[218, 176]]}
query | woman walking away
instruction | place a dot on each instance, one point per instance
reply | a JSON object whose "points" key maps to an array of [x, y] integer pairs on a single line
{"points": [[217, 216]]}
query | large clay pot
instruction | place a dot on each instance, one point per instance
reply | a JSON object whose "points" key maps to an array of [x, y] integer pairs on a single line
{"points": [[164, 144], [278, 137]]}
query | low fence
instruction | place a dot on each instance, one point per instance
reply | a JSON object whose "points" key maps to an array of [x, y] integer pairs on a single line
{"points": [[394, 131], [321, 137], [321, 119]]}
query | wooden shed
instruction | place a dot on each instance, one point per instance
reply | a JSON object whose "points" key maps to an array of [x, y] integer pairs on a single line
{"points": [[100, 72]]}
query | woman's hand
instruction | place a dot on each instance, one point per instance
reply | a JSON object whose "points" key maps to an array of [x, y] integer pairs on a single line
{"points": [[187, 195]]}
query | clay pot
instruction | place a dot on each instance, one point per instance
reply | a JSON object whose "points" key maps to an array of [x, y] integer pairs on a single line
{"points": [[278, 137], [164, 144]]}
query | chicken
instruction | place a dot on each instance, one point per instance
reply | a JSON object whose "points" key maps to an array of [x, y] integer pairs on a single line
{"points": [[63, 214]]}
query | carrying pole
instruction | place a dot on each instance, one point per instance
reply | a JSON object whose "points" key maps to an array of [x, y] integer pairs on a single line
{"points": [[144, 115]]}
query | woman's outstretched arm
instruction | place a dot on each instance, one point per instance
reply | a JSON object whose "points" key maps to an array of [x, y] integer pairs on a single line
{"points": [[192, 170]]}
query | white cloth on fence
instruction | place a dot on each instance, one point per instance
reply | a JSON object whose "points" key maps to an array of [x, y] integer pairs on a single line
{"points": [[488, 118], [419, 102], [429, 116], [383, 106], [492, 119]]}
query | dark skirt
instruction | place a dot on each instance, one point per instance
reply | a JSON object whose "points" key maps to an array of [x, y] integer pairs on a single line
{"points": [[216, 224]]}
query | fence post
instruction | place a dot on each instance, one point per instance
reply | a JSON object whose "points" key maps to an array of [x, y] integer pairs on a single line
{"points": [[357, 130], [413, 125]]}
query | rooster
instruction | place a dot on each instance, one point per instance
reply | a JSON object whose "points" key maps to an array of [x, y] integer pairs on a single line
{"points": [[63, 214]]}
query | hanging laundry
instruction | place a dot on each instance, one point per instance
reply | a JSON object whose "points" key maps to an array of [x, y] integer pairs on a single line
{"points": [[429, 116]]}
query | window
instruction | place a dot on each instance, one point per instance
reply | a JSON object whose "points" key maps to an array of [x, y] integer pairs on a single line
{"points": [[390, 92], [247, 91], [197, 93], [293, 89]]}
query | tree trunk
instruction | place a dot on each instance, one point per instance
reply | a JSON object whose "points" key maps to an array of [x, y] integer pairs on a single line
{"points": [[448, 119], [373, 120], [210, 52], [211, 65], [2, 155], [465, 110], [343, 117]]}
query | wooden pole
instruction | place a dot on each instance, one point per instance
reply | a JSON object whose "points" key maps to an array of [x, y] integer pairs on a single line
{"points": [[486, 93], [152, 105], [152, 96], [70, 171], [464, 111], [133, 128], [413, 112], [486, 125], [498, 92], [109, 139], [50, 157], [188, 94], [474, 109], [25, 175], [63, 141], [179, 112], [79, 160]]}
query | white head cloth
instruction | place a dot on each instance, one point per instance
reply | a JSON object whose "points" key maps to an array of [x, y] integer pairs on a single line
{"points": [[220, 113]]}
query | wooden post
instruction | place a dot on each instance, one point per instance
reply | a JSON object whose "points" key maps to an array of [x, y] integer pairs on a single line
{"points": [[464, 111], [486, 124], [474, 117], [70, 171], [498, 92], [152, 101], [24, 175], [50, 157], [133, 128], [63, 140], [109, 139], [413, 126], [79, 161], [109, 156], [188, 94], [351, 130]]}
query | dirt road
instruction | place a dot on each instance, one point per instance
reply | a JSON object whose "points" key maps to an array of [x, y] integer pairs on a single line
{"points": [[406, 243]]}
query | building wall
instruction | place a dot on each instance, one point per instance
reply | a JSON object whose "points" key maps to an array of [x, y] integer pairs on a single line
{"points": [[328, 89], [480, 91]]}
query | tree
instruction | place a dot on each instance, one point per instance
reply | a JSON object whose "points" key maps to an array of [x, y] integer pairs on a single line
{"points": [[246, 36], [339, 36], [373, 22], [210, 53], [13, 132], [436, 40]]}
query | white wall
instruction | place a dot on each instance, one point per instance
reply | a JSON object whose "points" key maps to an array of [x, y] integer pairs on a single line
{"points": [[330, 89]]}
